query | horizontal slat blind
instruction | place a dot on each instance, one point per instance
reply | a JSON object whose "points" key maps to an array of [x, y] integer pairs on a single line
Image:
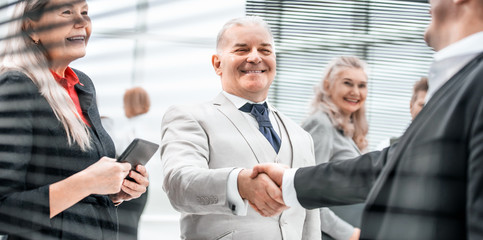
{"points": [[387, 34]]}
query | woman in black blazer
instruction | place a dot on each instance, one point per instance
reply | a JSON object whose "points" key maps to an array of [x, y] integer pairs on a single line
{"points": [[58, 178]]}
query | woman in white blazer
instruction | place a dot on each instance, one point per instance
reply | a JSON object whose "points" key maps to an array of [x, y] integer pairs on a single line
{"points": [[338, 127]]}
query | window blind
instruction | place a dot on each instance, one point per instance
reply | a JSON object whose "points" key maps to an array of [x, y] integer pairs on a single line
{"points": [[388, 35]]}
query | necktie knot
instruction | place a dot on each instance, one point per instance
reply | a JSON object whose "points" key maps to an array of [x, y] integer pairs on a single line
{"points": [[248, 107], [260, 112]]}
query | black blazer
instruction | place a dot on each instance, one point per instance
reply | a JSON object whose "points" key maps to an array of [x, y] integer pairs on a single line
{"points": [[429, 185], [34, 153]]}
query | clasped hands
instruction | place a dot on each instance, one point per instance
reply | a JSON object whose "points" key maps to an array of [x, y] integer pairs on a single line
{"points": [[261, 186]]}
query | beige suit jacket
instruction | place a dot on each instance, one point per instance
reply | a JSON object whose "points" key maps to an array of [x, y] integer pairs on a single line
{"points": [[200, 145]]}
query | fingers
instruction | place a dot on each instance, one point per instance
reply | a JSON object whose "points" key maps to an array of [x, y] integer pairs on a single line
{"points": [[140, 178], [123, 171], [108, 159], [268, 209], [255, 208], [260, 168], [276, 194], [105, 176], [126, 166], [271, 198], [259, 192], [142, 170], [273, 170], [133, 189], [137, 188]]}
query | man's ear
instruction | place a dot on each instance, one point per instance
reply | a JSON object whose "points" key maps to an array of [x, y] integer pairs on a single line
{"points": [[216, 62]]}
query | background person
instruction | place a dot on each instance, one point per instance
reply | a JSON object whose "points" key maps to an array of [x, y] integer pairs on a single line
{"points": [[428, 186], [339, 127], [206, 148], [416, 103], [58, 177], [136, 105], [420, 89]]}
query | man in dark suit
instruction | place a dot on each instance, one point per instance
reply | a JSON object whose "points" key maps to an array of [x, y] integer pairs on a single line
{"points": [[430, 184]]}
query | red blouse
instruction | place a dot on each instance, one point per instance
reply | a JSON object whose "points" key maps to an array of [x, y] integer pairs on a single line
{"points": [[68, 82]]}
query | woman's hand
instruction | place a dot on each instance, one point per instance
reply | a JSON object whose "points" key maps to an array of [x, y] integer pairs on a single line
{"points": [[106, 176], [132, 189]]}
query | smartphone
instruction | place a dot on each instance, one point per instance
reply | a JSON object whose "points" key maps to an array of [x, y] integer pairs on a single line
{"points": [[138, 152]]}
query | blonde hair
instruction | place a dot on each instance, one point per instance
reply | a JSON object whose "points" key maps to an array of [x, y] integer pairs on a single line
{"points": [[356, 126], [136, 102], [20, 53]]}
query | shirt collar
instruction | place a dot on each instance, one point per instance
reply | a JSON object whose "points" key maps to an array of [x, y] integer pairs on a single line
{"points": [[449, 60], [470, 45], [70, 79], [239, 101]]}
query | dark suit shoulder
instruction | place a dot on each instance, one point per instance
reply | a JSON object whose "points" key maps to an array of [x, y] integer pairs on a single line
{"points": [[468, 86], [18, 91]]}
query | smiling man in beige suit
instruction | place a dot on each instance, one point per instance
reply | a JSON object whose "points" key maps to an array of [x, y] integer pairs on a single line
{"points": [[208, 149]]}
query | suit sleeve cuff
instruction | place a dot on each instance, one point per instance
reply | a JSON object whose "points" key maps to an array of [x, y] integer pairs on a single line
{"points": [[288, 188], [237, 205]]}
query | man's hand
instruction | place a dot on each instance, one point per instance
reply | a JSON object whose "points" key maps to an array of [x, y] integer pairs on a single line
{"points": [[261, 192], [273, 170]]}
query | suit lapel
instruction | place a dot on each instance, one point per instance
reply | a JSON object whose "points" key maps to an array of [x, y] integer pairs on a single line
{"points": [[295, 138], [86, 100], [261, 148], [434, 104]]}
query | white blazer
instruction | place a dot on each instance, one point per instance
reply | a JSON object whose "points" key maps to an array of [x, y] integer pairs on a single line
{"points": [[201, 144]]}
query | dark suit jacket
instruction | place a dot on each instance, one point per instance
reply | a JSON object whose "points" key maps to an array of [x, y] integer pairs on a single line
{"points": [[34, 153], [430, 184]]}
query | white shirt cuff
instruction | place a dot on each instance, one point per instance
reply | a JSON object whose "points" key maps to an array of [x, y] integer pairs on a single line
{"points": [[237, 205], [288, 188]]}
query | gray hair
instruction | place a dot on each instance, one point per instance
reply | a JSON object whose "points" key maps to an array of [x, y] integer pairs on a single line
{"points": [[242, 21]]}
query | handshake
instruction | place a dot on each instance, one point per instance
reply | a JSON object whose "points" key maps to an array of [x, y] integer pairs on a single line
{"points": [[262, 187]]}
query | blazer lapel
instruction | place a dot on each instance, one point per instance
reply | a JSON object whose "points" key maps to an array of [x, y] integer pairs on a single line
{"points": [[86, 100], [418, 126], [261, 148], [295, 138]]}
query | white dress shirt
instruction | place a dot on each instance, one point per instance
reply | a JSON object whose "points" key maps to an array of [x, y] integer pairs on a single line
{"points": [[447, 62], [236, 203]]}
